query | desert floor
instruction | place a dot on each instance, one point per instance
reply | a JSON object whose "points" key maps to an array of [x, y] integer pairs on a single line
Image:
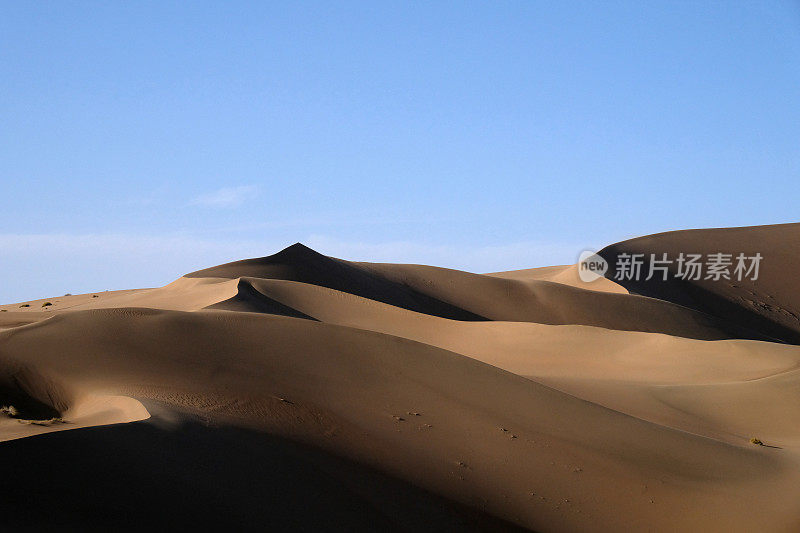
{"points": [[303, 392]]}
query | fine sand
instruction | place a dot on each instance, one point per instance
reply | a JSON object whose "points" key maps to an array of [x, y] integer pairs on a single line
{"points": [[299, 392]]}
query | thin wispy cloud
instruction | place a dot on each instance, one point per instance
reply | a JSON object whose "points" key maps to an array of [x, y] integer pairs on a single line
{"points": [[226, 197]]}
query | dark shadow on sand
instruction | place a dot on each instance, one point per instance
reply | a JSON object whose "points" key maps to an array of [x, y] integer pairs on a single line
{"points": [[151, 476]]}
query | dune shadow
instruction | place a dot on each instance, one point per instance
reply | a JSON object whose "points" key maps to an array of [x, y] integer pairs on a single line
{"points": [[150, 476]]}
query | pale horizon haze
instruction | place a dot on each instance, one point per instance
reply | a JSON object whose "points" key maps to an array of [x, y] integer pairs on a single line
{"points": [[141, 141]]}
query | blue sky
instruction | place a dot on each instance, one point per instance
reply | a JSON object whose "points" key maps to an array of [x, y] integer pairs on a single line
{"points": [[143, 140]]}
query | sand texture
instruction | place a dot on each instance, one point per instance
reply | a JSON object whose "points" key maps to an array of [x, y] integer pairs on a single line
{"points": [[300, 392]]}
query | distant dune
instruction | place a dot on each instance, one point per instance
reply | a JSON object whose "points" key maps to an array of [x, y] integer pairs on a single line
{"points": [[768, 308], [301, 392]]}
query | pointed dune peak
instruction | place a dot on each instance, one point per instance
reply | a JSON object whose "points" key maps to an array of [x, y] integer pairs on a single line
{"points": [[298, 251], [302, 264], [297, 255]]}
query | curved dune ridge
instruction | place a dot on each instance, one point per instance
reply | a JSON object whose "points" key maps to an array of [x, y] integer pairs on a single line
{"points": [[299, 391], [767, 308]]}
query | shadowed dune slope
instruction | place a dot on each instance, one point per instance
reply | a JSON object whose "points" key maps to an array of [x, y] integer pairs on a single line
{"points": [[520, 346], [432, 291], [629, 371], [300, 263], [249, 299], [460, 295], [624, 313], [177, 472], [439, 420], [768, 307], [547, 302]]}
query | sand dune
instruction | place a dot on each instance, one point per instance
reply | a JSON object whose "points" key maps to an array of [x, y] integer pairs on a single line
{"points": [[406, 397], [463, 296], [569, 356], [210, 478], [84, 412], [548, 302], [300, 263], [564, 274], [768, 307], [569, 350], [294, 387], [431, 291]]}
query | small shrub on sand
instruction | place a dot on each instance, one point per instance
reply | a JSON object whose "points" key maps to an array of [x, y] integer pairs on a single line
{"points": [[25, 305], [46, 304], [9, 410], [756, 441]]}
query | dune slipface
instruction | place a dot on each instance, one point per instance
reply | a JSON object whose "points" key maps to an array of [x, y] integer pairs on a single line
{"points": [[301, 392], [767, 308]]}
